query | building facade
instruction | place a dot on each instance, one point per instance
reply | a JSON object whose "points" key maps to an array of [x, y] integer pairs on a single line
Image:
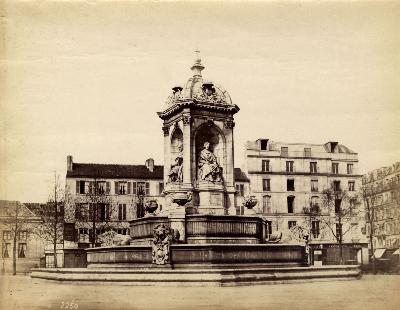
{"points": [[288, 177], [382, 190], [29, 247]]}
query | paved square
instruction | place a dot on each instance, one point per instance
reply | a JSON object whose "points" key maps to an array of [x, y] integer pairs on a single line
{"points": [[371, 292]]}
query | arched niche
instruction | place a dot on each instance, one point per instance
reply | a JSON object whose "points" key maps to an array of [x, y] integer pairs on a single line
{"points": [[176, 143], [208, 132]]}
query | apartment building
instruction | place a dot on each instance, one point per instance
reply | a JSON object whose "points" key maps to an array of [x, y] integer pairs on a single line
{"points": [[382, 189], [287, 177]]}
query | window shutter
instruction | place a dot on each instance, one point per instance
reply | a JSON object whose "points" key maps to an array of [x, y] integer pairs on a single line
{"points": [[91, 188], [107, 211], [77, 187], [129, 188], [108, 188], [116, 188], [147, 188], [134, 191]]}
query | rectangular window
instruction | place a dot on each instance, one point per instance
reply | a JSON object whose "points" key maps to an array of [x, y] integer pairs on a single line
{"points": [[122, 212], [123, 231], [101, 188], [265, 165], [82, 187], [6, 250], [335, 168], [104, 212], [264, 144], [21, 250], [122, 188], [313, 167], [289, 166], [290, 204], [307, 152], [143, 188], [266, 185], [291, 224], [290, 184], [284, 151], [160, 188], [349, 168], [315, 229], [7, 235], [81, 212], [351, 186], [314, 185], [336, 186], [22, 236], [267, 204], [134, 188], [240, 189], [338, 203], [83, 235], [269, 227]]}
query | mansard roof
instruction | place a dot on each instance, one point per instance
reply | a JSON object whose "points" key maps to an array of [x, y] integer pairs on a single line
{"points": [[110, 171]]}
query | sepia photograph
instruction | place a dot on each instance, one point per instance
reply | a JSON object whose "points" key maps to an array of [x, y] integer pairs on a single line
{"points": [[199, 154]]}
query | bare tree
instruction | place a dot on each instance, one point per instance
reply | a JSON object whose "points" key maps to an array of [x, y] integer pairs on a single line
{"points": [[53, 217], [342, 212], [368, 196], [311, 212], [94, 210], [19, 221]]}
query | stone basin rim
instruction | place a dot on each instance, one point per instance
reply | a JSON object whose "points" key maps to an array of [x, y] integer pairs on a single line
{"points": [[195, 245]]}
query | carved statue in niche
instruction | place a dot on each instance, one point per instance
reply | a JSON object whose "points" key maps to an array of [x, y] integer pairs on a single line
{"points": [[176, 173], [209, 169]]}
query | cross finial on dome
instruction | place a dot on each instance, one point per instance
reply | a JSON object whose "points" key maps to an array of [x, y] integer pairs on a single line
{"points": [[197, 66]]}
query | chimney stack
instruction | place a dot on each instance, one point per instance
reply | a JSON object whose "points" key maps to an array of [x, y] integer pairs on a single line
{"points": [[69, 163], [150, 164]]}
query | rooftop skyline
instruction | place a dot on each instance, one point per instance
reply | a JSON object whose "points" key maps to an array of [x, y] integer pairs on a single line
{"points": [[87, 78]]}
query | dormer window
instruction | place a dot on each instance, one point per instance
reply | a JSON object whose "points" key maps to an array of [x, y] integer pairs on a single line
{"points": [[263, 144]]}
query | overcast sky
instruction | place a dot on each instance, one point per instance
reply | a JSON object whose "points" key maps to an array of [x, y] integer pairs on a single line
{"points": [[87, 78]]}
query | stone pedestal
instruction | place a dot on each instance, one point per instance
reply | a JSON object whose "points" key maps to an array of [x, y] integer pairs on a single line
{"points": [[211, 198], [176, 218]]}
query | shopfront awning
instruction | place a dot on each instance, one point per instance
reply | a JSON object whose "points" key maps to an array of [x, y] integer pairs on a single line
{"points": [[397, 252], [379, 253]]}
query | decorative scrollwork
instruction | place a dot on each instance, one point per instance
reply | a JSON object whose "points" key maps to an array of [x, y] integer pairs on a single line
{"points": [[229, 124], [165, 130], [186, 119], [162, 237]]}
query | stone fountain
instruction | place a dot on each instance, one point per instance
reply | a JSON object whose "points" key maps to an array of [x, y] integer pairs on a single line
{"points": [[199, 239]]}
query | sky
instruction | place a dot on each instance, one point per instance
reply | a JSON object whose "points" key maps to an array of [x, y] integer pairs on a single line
{"points": [[86, 78]]}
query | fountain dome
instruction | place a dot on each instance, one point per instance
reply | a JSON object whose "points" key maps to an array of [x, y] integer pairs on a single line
{"points": [[198, 89]]}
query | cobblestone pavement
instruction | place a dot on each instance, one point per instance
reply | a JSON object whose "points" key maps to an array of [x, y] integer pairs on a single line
{"points": [[371, 292]]}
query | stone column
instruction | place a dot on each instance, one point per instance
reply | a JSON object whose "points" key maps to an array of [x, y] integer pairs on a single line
{"points": [[187, 173], [167, 160], [230, 177]]}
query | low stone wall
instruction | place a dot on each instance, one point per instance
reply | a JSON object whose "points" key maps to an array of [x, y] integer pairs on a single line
{"points": [[199, 255], [143, 228]]}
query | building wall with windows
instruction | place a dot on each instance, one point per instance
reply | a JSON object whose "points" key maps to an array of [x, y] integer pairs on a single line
{"points": [[382, 188], [286, 177], [29, 247], [118, 191]]}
